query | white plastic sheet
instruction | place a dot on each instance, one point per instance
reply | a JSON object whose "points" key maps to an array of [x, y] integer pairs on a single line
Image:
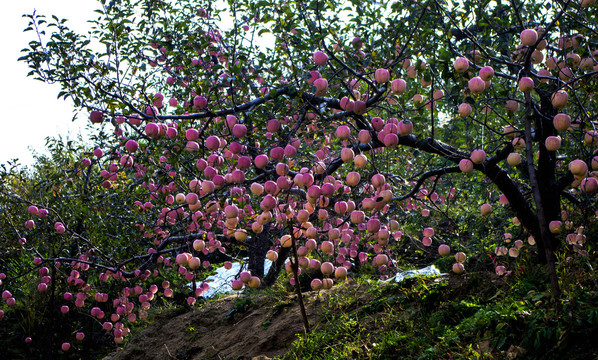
{"points": [[220, 283], [427, 271]]}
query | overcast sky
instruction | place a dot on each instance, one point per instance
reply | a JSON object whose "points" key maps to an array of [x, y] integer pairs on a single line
{"points": [[31, 111]]}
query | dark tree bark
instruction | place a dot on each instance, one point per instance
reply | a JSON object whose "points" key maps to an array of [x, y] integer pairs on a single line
{"points": [[257, 247], [547, 182], [270, 279]]}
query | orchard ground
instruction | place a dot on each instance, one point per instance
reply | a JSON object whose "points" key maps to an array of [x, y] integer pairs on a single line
{"points": [[474, 316]]}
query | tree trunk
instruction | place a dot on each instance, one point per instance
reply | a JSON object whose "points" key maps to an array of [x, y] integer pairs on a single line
{"points": [[518, 203], [270, 279], [545, 235], [257, 247], [547, 182]]}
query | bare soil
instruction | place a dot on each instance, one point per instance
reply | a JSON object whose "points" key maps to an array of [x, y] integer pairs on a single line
{"points": [[216, 331], [263, 328]]}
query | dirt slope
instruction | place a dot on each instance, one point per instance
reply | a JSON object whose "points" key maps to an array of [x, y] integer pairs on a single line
{"points": [[216, 331]]}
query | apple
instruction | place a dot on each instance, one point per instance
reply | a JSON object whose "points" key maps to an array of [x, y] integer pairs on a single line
{"points": [[382, 76], [391, 140], [589, 185], [553, 143], [514, 159], [321, 85], [559, 99], [529, 37], [486, 209], [590, 138], [254, 282], [343, 132], [327, 283], [327, 268], [501, 270], [320, 58], [381, 259], [360, 161], [353, 178], [464, 110], [461, 64], [398, 86], [340, 273], [477, 85], [373, 225], [466, 166], [458, 268], [578, 167], [526, 84], [316, 284], [357, 217], [478, 156], [347, 154], [561, 122], [444, 250], [429, 232], [360, 107], [96, 117], [405, 127], [486, 73]]}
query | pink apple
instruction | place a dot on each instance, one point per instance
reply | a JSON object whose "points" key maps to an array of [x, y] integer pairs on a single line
{"points": [[398, 86], [464, 110], [261, 161], [458, 268], [382, 76], [342, 132], [526, 84], [589, 185], [561, 122], [529, 37], [466, 166], [327, 268], [553, 143], [477, 85], [486, 73], [478, 156], [461, 64], [320, 58], [559, 99], [359, 107], [96, 117], [444, 250], [316, 284]]}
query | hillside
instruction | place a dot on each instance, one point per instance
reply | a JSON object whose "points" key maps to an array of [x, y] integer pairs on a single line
{"points": [[447, 317]]}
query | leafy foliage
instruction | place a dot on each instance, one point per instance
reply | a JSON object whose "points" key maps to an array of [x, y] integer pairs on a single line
{"points": [[333, 133]]}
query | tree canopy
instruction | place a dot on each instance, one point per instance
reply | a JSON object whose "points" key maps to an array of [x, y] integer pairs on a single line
{"points": [[348, 136]]}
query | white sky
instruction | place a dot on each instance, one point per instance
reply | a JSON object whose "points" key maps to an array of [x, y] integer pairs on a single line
{"points": [[31, 111]]}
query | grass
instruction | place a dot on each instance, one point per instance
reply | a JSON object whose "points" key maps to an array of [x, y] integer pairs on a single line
{"points": [[477, 316]]}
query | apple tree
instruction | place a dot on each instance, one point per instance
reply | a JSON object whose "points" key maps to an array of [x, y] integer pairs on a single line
{"points": [[327, 132]]}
